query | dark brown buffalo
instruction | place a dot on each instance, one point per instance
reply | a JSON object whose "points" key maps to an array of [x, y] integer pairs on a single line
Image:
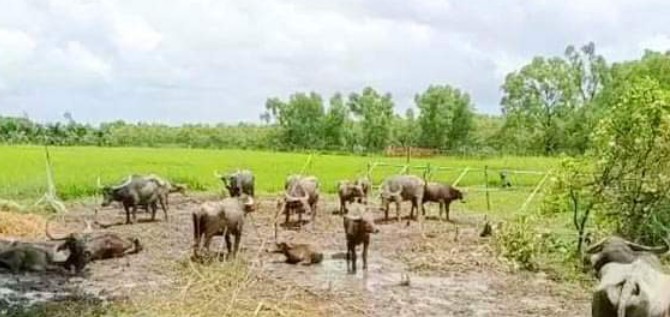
{"points": [[366, 185], [357, 231], [101, 245], [443, 194]]}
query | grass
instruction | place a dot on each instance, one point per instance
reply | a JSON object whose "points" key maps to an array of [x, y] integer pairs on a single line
{"points": [[76, 169]]}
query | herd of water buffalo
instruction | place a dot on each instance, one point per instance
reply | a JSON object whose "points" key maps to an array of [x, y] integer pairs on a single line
{"points": [[631, 279]]}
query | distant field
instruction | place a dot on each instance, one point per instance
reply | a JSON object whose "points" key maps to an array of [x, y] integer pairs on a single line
{"points": [[22, 169]]}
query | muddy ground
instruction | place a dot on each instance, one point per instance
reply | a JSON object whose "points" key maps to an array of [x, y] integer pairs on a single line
{"points": [[450, 272]]}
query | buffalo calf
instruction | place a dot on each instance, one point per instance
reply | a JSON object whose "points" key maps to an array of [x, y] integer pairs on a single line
{"points": [[357, 230]]}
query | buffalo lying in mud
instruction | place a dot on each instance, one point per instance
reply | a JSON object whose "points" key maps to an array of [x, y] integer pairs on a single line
{"points": [[301, 197], [401, 188], [101, 245], [18, 256], [238, 183], [224, 218], [443, 194], [299, 253], [136, 191], [631, 280]]}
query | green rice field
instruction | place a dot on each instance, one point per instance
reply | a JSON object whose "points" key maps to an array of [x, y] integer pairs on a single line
{"points": [[76, 170]]}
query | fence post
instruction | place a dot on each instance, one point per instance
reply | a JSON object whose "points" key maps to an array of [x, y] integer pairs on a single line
{"points": [[486, 188]]}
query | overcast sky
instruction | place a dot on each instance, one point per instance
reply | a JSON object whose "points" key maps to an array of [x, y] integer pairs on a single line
{"points": [[218, 61]]}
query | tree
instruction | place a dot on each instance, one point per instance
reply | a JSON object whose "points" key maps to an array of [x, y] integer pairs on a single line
{"points": [[632, 155], [301, 120], [335, 123], [375, 114], [537, 101], [590, 74], [446, 117]]}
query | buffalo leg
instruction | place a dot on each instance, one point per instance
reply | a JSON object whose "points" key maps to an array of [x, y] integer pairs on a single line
{"points": [[348, 256], [446, 207], [153, 211], [386, 212], [229, 246], [134, 213], [288, 214], [127, 209], [352, 253], [397, 210], [343, 208], [365, 254], [208, 240], [236, 247], [163, 203]]}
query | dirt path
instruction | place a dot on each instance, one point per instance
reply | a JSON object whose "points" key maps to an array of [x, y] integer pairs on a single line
{"points": [[451, 273]]}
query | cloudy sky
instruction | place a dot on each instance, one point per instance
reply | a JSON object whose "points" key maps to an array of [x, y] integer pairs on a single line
{"points": [[217, 61]]}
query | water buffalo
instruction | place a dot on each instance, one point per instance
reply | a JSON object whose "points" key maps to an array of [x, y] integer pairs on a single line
{"points": [[100, 245], [221, 218], [357, 230], [165, 188], [366, 185], [136, 192], [238, 183], [443, 194], [402, 188], [291, 179], [21, 256], [301, 197], [349, 192], [300, 253], [618, 250], [637, 289]]}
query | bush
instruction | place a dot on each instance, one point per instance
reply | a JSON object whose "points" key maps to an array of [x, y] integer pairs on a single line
{"points": [[518, 242]]}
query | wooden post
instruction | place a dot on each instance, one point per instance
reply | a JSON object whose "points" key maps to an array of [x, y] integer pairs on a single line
{"points": [[486, 187]]}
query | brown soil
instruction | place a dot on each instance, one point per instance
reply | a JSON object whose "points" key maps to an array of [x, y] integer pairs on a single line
{"points": [[451, 272]]}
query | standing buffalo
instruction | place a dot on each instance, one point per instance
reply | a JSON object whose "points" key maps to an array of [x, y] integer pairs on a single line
{"points": [[402, 188], [224, 218], [349, 192], [443, 194], [366, 185], [136, 192], [165, 188], [291, 179], [301, 196], [238, 183], [357, 230]]}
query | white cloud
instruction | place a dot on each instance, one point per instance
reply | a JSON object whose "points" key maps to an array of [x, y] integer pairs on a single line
{"points": [[211, 60]]}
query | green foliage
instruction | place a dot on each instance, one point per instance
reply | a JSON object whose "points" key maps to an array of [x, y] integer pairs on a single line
{"points": [[518, 241], [446, 117], [632, 153], [301, 120], [375, 114], [572, 174], [549, 104]]}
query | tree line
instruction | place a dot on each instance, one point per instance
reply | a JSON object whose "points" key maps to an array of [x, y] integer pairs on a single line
{"points": [[549, 106]]}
